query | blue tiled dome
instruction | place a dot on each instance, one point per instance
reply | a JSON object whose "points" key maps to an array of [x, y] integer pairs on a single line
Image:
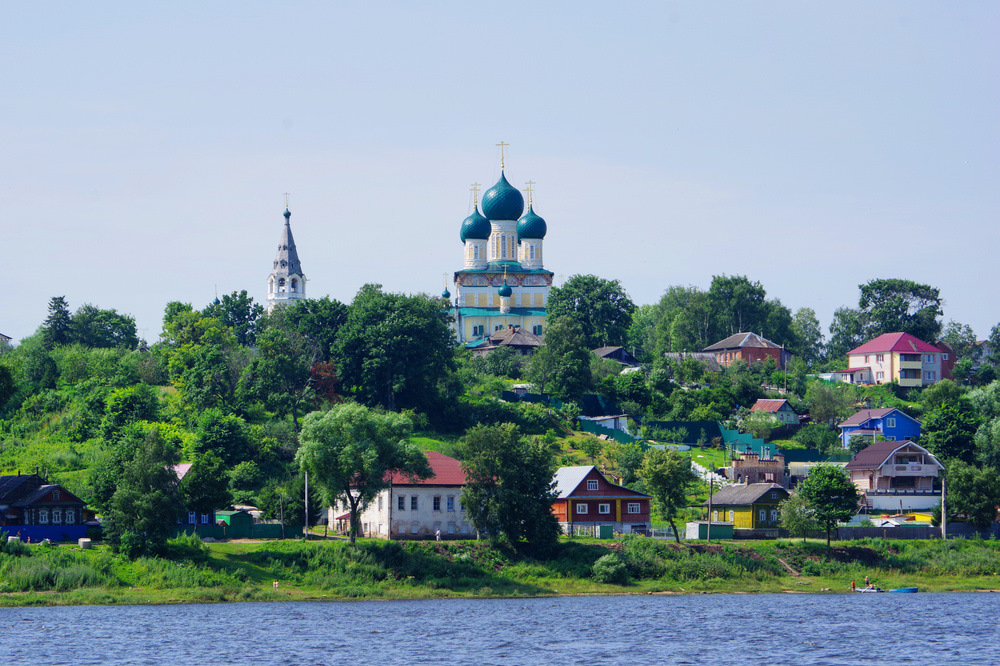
{"points": [[476, 227], [503, 201], [446, 293], [531, 225], [505, 290]]}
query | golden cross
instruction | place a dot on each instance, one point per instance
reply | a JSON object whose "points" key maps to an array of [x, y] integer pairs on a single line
{"points": [[529, 188], [505, 275], [475, 192], [502, 145], [286, 200]]}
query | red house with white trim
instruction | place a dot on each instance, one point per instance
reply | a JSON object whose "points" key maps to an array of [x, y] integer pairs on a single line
{"points": [[587, 498]]}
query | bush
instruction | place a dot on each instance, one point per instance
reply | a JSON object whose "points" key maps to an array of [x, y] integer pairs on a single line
{"points": [[610, 569]]}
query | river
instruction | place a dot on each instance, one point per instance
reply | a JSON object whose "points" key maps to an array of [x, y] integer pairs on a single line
{"points": [[713, 629]]}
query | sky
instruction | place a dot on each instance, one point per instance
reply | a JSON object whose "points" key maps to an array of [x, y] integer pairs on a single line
{"points": [[145, 147]]}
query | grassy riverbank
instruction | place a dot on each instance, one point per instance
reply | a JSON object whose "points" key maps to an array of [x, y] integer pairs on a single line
{"points": [[195, 572]]}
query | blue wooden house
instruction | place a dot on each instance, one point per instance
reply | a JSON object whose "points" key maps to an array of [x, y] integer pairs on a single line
{"points": [[888, 422]]}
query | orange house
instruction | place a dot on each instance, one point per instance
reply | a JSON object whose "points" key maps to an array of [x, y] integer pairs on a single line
{"points": [[587, 498]]}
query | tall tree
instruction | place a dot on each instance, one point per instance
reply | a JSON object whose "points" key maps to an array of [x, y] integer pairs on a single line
{"points": [[508, 493], [847, 331], [57, 324], [949, 431], [318, 319], [831, 495], [798, 517], [808, 335], [739, 304], [279, 375], [93, 327], [135, 488], [685, 321], [562, 366], [960, 337], [394, 349], [974, 492], [667, 476], [642, 332], [351, 452], [896, 305], [239, 312], [600, 306]]}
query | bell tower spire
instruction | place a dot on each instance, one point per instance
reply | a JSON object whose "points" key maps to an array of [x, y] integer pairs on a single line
{"points": [[287, 282]]}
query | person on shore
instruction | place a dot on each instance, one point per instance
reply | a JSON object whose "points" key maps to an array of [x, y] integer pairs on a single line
{"points": [[867, 582], [854, 588], [437, 535]]}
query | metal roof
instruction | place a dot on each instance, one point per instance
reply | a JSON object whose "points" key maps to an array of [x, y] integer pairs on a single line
{"points": [[740, 340], [895, 342], [875, 455], [740, 494]]}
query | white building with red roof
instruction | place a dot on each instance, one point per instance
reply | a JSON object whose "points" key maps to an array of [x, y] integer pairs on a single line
{"points": [[893, 357], [779, 409], [415, 508]]}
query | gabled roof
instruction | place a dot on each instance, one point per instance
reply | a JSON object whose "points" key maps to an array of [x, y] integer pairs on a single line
{"points": [[894, 342], [863, 368], [568, 479], [740, 494], [181, 469], [619, 354], [34, 497], [11, 482], [447, 472], [5, 337], [515, 336], [875, 455], [864, 415], [770, 406], [741, 340], [710, 360]]}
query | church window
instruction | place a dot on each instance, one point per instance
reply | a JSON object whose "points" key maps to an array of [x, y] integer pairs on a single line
{"points": [[537, 329], [295, 285], [532, 251], [503, 247], [475, 252]]}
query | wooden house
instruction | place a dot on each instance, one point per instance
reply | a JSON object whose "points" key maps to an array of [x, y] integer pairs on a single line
{"points": [[587, 498], [32, 508], [897, 476], [779, 409], [752, 506]]}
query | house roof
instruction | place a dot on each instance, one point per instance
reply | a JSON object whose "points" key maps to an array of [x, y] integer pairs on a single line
{"points": [[710, 360], [862, 368], [568, 479], [740, 340], [515, 336], [181, 469], [4, 337], [875, 455], [894, 342], [447, 472], [740, 494], [772, 406], [864, 415]]}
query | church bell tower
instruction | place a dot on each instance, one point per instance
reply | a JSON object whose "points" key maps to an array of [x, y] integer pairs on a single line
{"points": [[287, 282]]}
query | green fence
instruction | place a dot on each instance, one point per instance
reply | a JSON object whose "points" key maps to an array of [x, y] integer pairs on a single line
{"points": [[254, 531], [597, 429]]}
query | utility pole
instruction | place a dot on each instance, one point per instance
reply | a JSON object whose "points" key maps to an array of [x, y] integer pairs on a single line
{"points": [[307, 507], [711, 491], [944, 513]]}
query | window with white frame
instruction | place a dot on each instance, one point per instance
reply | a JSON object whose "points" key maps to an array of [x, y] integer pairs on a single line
{"points": [[763, 515], [715, 516], [879, 358], [879, 375], [43, 516], [581, 508], [450, 503], [379, 502], [890, 422], [437, 502], [401, 502], [944, 357], [413, 503], [70, 517], [633, 507], [204, 519], [929, 358], [192, 517], [57, 516], [603, 508], [732, 516], [930, 375], [866, 359], [55, 495], [591, 484], [774, 515]]}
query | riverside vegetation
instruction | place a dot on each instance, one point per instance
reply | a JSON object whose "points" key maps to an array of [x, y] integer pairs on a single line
{"points": [[192, 571]]}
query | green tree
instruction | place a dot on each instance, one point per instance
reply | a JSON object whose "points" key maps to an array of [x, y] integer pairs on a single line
{"points": [[950, 430], [279, 375], [592, 447], [134, 486], [205, 486], [685, 322], [944, 392], [226, 435], [847, 331], [960, 337], [819, 437], [895, 305], [57, 325], [351, 453], [627, 459], [239, 313], [394, 349], [7, 386], [831, 495], [562, 366], [600, 306], [642, 332], [798, 517], [318, 319], [830, 404], [858, 443], [96, 328], [974, 492], [739, 304], [508, 493], [667, 476], [124, 406], [808, 336]]}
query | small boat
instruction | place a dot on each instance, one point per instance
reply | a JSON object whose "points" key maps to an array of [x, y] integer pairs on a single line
{"points": [[870, 590], [905, 589]]}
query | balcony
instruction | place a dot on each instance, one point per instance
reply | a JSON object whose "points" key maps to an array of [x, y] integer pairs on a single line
{"points": [[911, 469]]}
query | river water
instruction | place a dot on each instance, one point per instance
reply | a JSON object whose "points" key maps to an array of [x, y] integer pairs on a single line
{"points": [[684, 629]]}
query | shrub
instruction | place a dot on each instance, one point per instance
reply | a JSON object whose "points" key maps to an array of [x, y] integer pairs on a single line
{"points": [[610, 569]]}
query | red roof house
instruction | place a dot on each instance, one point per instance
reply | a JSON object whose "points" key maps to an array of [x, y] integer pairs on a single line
{"points": [[779, 408], [894, 357], [748, 347]]}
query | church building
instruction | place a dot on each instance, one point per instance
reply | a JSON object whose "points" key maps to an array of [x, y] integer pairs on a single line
{"points": [[287, 282], [504, 282]]}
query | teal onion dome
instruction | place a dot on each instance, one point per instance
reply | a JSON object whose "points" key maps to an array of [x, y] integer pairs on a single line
{"points": [[503, 201], [505, 291], [287, 213], [476, 227], [446, 293], [531, 225]]}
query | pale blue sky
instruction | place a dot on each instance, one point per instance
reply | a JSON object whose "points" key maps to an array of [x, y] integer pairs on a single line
{"points": [[145, 148]]}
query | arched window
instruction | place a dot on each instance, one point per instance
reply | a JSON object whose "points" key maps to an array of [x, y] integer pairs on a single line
{"points": [[295, 285], [281, 285], [503, 247], [532, 251]]}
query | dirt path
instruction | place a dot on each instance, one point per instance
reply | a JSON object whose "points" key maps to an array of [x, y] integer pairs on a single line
{"points": [[789, 567]]}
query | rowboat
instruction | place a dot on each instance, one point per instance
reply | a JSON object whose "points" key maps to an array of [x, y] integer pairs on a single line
{"points": [[870, 590], [905, 589]]}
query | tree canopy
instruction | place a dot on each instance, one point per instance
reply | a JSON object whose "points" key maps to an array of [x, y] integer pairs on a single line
{"points": [[600, 306], [831, 495], [667, 476], [351, 451], [896, 305]]}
